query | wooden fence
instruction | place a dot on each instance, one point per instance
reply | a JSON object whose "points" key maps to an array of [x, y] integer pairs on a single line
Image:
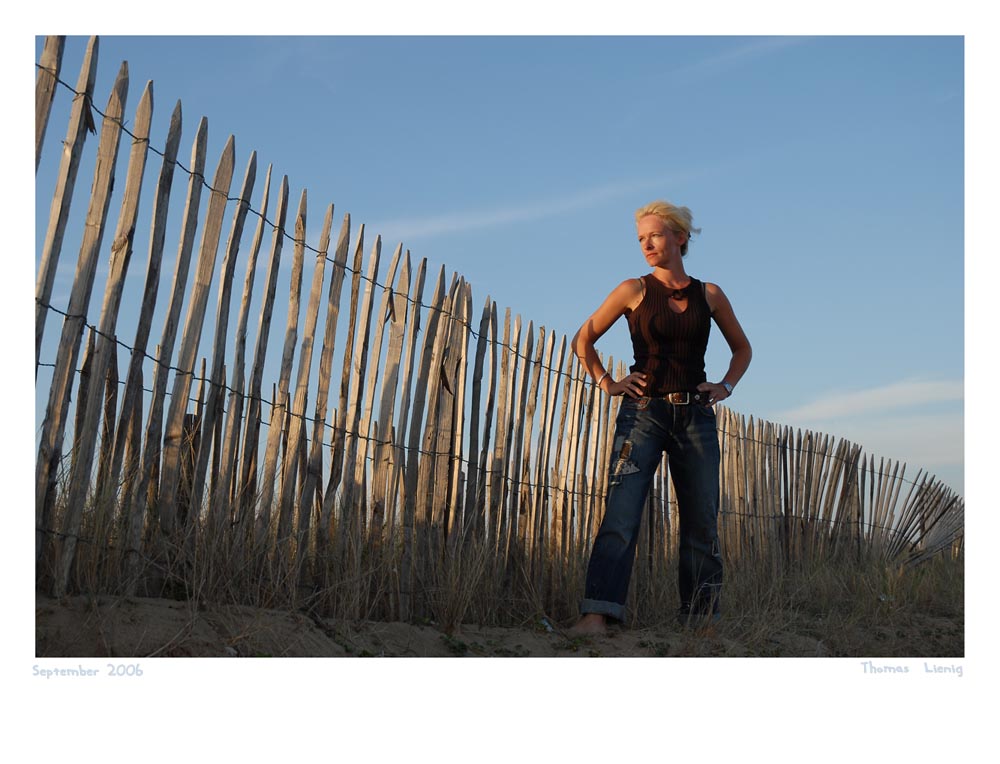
{"points": [[454, 429]]}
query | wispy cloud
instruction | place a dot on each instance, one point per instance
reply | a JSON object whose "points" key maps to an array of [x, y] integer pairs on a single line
{"points": [[933, 443], [717, 65], [877, 399], [946, 96], [733, 57], [894, 421], [539, 209], [928, 441], [484, 218], [311, 59]]}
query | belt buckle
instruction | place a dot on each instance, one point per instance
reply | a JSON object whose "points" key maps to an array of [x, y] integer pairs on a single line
{"points": [[679, 399]]}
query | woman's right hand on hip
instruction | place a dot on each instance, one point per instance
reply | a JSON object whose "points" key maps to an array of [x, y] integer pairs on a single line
{"points": [[634, 385]]}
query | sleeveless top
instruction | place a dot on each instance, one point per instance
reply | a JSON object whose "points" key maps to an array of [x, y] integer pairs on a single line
{"points": [[669, 347]]}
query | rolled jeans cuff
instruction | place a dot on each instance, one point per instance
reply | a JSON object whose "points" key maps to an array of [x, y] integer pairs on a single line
{"points": [[600, 607]]}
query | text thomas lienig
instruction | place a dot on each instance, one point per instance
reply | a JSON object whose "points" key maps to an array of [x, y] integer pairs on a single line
{"points": [[928, 668]]}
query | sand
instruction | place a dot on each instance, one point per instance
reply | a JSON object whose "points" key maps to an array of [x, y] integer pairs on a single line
{"points": [[135, 627]]}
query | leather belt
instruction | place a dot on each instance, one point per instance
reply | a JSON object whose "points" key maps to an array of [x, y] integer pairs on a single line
{"points": [[685, 399]]}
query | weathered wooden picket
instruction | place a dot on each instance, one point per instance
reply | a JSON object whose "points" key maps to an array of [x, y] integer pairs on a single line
{"points": [[479, 445]]}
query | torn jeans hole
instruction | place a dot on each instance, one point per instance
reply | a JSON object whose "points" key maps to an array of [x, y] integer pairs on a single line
{"points": [[623, 465]]}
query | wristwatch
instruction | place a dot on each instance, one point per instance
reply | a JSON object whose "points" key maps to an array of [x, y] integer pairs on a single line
{"points": [[729, 387]]}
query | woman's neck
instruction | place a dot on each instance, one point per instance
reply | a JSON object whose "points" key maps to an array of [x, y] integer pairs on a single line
{"points": [[672, 276]]}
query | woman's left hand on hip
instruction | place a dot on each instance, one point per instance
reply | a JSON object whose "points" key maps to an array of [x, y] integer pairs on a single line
{"points": [[716, 392]]}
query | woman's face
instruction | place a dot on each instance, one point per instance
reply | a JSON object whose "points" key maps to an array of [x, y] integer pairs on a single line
{"points": [[660, 245]]}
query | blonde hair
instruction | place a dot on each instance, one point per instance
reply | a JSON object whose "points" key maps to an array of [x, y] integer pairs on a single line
{"points": [[677, 218]]}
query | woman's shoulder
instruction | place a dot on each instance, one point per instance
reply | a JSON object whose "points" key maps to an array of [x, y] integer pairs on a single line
{"points": [[628, 294], [631, 287], [713, 294]]}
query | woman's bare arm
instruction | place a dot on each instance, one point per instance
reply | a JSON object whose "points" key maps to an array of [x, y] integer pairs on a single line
{"points": [[729, 325], [626, 295]]}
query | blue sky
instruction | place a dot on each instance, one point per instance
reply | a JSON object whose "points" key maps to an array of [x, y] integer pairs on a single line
{"points": [[826, 174]]}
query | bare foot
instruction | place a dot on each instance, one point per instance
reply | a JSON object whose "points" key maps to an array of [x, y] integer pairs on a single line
{"points": [[590, 625]]}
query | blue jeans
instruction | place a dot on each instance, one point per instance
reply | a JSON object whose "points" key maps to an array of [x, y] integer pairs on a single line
{"points": [[644, 429]]}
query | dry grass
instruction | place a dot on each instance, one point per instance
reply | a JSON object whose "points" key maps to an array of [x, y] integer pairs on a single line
{"points": [[837, 606], [828, 605]]}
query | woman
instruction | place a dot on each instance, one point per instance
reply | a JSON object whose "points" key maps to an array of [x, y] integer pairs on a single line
{"points": [[667, 406]]}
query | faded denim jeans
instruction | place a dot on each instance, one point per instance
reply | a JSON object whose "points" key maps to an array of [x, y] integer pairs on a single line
{"points": [[644, 429]]}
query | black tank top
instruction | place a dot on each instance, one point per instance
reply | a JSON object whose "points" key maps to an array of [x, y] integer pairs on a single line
{"points": [[670, 347]]}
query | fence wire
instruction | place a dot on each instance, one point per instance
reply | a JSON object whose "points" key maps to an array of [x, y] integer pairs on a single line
{"points": [[250, 209], [508, 480], [375, 441]]}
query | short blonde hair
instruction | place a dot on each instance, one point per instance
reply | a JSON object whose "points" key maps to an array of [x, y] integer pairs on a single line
{"points": [[677, 218]]}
